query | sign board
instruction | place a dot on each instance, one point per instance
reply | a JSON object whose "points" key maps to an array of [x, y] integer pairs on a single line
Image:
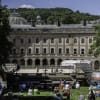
{"points": [[9, 67]]}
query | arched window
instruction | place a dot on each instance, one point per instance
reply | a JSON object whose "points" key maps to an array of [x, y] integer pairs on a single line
{"points": [[52, 62], [29, 62], [22, 62], [37, 62], [45, 62], [59, 61]]}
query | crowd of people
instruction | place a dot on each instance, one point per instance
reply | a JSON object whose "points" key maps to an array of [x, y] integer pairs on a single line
{"points": [[65, 90], [60, 91]]}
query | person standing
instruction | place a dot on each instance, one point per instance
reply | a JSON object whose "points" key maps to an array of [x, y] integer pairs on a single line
{"points": [[67, 86], [91, 95], [68, 94], [30, 91], [77, 86], [81, 97]]}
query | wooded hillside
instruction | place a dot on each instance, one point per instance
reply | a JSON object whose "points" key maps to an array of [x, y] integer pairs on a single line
{"points": [[52, 15]]}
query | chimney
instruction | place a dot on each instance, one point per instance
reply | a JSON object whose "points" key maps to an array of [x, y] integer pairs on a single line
{"points": [[58, 23]]}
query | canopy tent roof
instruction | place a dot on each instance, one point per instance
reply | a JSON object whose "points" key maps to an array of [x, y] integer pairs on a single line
{"points": [[74, 62]]}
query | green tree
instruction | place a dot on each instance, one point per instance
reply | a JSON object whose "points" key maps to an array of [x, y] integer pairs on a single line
{"points": [[5, 43], [95, 47], [51, 15], [67, 19]]}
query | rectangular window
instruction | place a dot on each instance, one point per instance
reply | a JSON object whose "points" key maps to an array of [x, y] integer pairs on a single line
{"points": [[60, 40], [75, 51], [21, 41], [11, 52], [67, 40], [37, 51], [14, 41], [67, 50], [52, 50], [14, 51], [82, 40], [29, 51], [60, 50], [37, 40], [75, 40], [82, 51], [44, 51], [22, 51], [44, 40], [90, 40], [29, 41], [52, 40]]}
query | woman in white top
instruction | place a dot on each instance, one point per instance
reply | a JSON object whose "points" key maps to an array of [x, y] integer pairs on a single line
{"points": [[30, 91], [77, 86]]}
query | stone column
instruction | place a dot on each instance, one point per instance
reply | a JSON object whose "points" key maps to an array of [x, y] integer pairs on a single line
{"points": [[86, 47], [79, 46], [33, 46], [25, 62], [33, 62], [71, 45], [56, 46], [48, 62], [48, 46], [93, 64], [41, 63], [63, 49], [55, 62], [41, 46]]}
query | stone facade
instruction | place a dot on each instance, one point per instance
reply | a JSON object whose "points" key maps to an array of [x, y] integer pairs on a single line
{"points": [[47, 45]]}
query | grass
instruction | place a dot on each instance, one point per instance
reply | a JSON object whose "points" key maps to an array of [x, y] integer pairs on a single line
{"points": [[74, 93]]}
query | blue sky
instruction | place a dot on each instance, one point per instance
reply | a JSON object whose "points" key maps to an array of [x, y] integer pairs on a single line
{"points": [[88, 6]]}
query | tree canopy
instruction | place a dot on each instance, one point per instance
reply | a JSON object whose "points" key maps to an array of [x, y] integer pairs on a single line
{"points": [[51, 15], [5, 43], [95, 47]]}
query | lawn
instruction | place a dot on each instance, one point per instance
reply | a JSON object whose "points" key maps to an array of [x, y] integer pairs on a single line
{"points": [[74, 93]]}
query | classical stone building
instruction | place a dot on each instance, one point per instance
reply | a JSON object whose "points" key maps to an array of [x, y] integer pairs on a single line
{"points": [[48, 45]]}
